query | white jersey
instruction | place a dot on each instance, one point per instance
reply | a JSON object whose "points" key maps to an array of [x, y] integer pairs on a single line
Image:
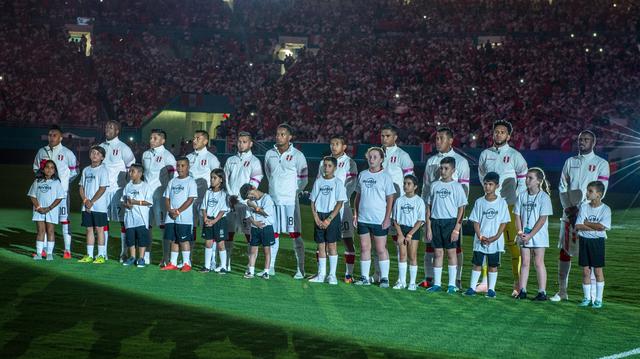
{"points": [[347, 172], [287, 174], [432, 172], [118, 159], [267, 205], [137, 216], [530, 208], [179, 190], [91, 180], [214, 203], [577, 172], [240, 169], [408, 211], [489, 215], [327, 193], [201, 163], [445, 198], [510, 165], [159, 166], [46, 192], [397, 164], [600, 214], [65, 160], [374, 187]]}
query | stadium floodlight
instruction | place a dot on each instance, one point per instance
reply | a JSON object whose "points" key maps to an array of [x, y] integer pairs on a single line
{"points": [[438, 123], [251, 64], [573, 35], [601, 49], [473, 137], [1, 77], [473, 88], [521, 81], [595, 34], [397, 95], [586, 50], [252, 114], [130, 138]]}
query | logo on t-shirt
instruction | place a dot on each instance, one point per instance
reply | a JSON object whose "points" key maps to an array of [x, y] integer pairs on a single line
{"points": [[203, 163], [134, 193], [407, 208], [326, 190], [529, 206], [490, 213], [212, 202], [443, 193], [177, 188], [369, 182], [592, 219], [89, 178], [44, 188]]}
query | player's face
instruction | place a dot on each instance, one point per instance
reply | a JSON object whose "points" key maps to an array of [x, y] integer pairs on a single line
{"points": [[585, 143], [374, 159], [95, 156], [337, 147], [283, 137], [489, 187], [593, 194], [199, 141], [183, 168], [443, 142], [244, 144], [532, 180], [328, 168], [135, 174], [55, 137], [388, 138], [252, 195], [49, 169], [500, 135], [215, 180], [156, 140], [111, 131], [409, 186], [446, 170]]}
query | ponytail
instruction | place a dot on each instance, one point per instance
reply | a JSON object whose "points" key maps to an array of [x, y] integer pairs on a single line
{"points": [[542, 178]]}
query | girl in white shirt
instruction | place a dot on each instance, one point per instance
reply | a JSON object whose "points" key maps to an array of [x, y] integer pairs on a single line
{"points": [[214, 211], [46, 193]]}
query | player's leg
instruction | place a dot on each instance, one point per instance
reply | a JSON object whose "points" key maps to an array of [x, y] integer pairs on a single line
{"points": [[565, 243], [365, 254], [510, 236], [279, 227], [41, 228], [402, 264], [347, 239], [459, 260], [429, 255], [332, 251], [294, 222], [541, 273], [65, 224], [525, 254], [476, 271], [380, 238], [208, 250], [438, 255], [322, 258], [221, 236], [256, 239], [412, 258], [100, 220], [51, 243], [185, 248]]}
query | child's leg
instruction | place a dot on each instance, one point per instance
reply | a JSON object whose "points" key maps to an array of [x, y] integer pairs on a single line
{"points": [[452, 266], [429, 257], [175, 248], [525, 255], [51, 240], [267, 257], [141, 252], [208, 252], [253, 254], [185, 247], [492, 277], [412, 256], [333, 258], [586, 282], [365, 255], [40, 234], [437, 266], [102, 248], [322, 260], [91, 240], [541, 270], [132, 252], [599, 283], [383, 256], [476, 272], [222, 252], [402, 262]]}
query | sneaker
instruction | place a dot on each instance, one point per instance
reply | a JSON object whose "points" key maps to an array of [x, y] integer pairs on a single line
{"points": [[37, 258], [585, 302], [140, 263], [481, 288], [67, 255], [169, 266], [43, 254], [491, 293], [522, 294], [597, 304], [399, 285], [248, 275], [317, 279], [412, 287], [299, 275], [186, 267], [122, 258], [216, 269], [99, 260], [264, 274], [50, 256], [272, 272], [470, 292], [85, 259], [384, 283], [433, 289], [541, 297], [205, 270], [362, 281], [348, 279], [331, 279], [427, 283], [129, 262], [452, 289], [558, 297], [223, 270]]}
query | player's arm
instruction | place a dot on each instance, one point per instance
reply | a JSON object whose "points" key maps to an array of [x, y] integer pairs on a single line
{"points": [[218, 217], [426, 183], [482, 171], [428, 235], [302, 171], [465, 177], [72, 162], [37, 160], [351, 178], [334, 213], [407, 165], [520, 167], [314, 212], [128, 157], [387, 214], [594, 226], [356, 205], [603, 175], [563, 186], [455, 234], [501, 229], [256, 173]]}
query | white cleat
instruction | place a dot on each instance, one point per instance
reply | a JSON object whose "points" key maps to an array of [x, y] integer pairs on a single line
{"points": [[316, 279], [412, 287], [399, 285], [557, 297], [331, 279], [299, 275], [272, 272]]}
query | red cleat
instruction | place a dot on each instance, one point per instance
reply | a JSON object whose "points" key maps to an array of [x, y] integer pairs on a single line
{"points": [[185, 268], [425, 284], [169, 267], [44, 254], [67, 255]]}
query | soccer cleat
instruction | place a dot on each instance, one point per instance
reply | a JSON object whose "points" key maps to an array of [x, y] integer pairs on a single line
{"points": [[427, 283], [470, 292], [169, 266], [331, 279], [491, 293], [585, 302], [50, 257], [85, 259], [67, 255], [264, 274], [362, 281], [186, 267], [541, 297], [317, 279], [597, 304], [558, 297], [37, 258], [43, 254], [299, 275], [384, 283], [140, 263], [412, 287], [481, 288], [129, 261], [205, 270], [399, 285], [434, 289], [99, 260], [452, 289], [522, 294], [223, 270], [348, 279], [272, 272], [248, 275]]}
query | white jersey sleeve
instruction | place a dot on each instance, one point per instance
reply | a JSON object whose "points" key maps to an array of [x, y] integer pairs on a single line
{"points": [[302, 171]]}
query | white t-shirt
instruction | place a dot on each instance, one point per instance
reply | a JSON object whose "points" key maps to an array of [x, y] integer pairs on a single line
{"points": [[530, 208], [397, 163], [267, 205], [600, 214], [408, 211], [287, 174], [240, 169], [510, 165], [201, 163], [326, 193], [445, 198], [347, 172], [489, 215], [214, 203], [138, 215], [46, 191], [159, 166], [374, 189], [118, 159], [178, 191], [65, 161], [577, 173], [92, 179]]}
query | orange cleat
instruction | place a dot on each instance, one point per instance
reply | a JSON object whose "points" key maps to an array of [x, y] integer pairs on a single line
{"points": [[169, 267], [185, 268], [67, 255]]}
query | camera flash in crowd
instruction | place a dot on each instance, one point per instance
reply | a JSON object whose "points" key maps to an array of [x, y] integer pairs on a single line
{"points": [[130, 138], [397, 95], [573, 35], [521, 81], [595, 34], [473, 137]]}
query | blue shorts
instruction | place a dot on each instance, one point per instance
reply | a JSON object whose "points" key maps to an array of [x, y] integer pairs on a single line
{"points": [[374, 229], [262, 236], [94, 219], [441, 230], [331, 234], [137, 236], [217, 232], [178, 232]]}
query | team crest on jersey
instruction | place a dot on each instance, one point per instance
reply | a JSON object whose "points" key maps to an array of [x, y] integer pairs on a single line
{"points": [[341, 164], [212, 202], [60, 157], [490, 213], [592, 168], [115, 151], [246, 163], [407, 208], [443, 193], [203, 163], [44, 188], [506, 159], [326, 190], [393, 159], [289, 157], [159, 159], [369, 182], [177, 188]]}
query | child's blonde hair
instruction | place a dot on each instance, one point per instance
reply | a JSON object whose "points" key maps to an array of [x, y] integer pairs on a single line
{"points": [[542, 178]]}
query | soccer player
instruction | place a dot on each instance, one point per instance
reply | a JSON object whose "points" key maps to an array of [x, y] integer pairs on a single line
{"points": [[577, 172], [408, 217], [372, 215], [594, 219], [509, 164], [347, 172], [137, 198], [444, 146], [287, 172], [179, 196], [159, 167], [241, 168], [532, 210], [93, 186], [490, 216], [201, 163], [46, 193], [327, 198], [214, 231], [67, 166], [117, 161], [260, 212]]}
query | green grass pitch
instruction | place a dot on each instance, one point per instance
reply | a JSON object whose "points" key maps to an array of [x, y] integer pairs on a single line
{"points": [[63, 308]]}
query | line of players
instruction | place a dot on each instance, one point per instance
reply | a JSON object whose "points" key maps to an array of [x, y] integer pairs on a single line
{"points": [[286, 170]]}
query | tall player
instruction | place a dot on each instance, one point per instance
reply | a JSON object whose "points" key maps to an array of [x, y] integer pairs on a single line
{"points": [[67, 165], [117, 161], [241, 168], [577, 172], [159, 168], [509, 164], [444, 145], [287, 172], [347, 172]]}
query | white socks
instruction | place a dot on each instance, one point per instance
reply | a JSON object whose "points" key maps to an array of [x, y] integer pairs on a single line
{"points": [[274, 253], [39, 247], [147, 257], [298, 247], [123, 242], [475, 277], [402, 273], [174, 258], [437, 276], [214, 251], [599, 291], [207, 257], [452, 272], [413, 273], [593, 284], [102, 250], [365, 266], [223, 259], [186, 257], [493, 278], [586, 290], [322, 267], [333, 264], [459, 267], [50, 246], [384, 269], [66, 235], [90, 250]]}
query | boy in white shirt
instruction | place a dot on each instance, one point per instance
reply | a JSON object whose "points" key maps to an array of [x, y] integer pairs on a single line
{"points": [[261, 214]]}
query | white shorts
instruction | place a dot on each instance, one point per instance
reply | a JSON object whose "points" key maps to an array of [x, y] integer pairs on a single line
{"points": [[115, 211], [158, 209], [568, 239], [288, 219], [236, 221], [347, 222], [53, 216], [197, 213], [63, 209]]}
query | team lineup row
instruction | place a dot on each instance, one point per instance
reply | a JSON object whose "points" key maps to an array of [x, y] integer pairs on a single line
{"points": [[191, 192]]}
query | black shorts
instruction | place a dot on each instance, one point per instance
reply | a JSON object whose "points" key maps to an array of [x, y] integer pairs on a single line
{"points": [[94, 219], [178, 232], [331, 234], [441, 230], [591, 252], [416, 236], [217, 232], [493, 259], [262, 236], [374, 229], [137, 236]]}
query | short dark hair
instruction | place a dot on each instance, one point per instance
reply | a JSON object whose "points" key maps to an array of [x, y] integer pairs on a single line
{"points": [[182, 158], [204, 133], [56, 128], [593, 135], [330, 159], [446, 130], [504, 123], [390, 127], [287, 127], [492, 177], [138, 167], [115, 123], [339, 137], [245, 189], [412, 178], [160, 132], [448, 161], [99, 149], [245, 134], [598, 185]]}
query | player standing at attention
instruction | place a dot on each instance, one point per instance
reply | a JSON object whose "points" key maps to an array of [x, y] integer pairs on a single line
{"points": [[159, 167], [214, 231], [137, 198], [509, 164], [46, 193], [444, 146], [241, 168], [372, 215], [67, 170], [117, 161], [577, 172], [260, 213], [287, 172]]}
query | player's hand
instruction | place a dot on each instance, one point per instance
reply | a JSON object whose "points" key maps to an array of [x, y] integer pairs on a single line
{"points": [[428, 236], [454, 236], [483, 240], [318, 222], [259, 224], [386, 223], [525, 238], [407, 238], [326, 223], [355, 221]]}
